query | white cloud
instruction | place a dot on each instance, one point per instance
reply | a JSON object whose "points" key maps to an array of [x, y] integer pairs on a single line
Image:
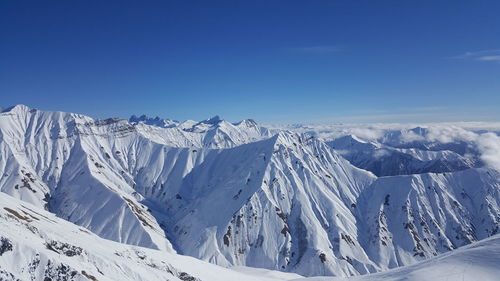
{"points": [[489, 146], [370, 133], [410, 136], [483, 55], [490, 58], [447, 134]]}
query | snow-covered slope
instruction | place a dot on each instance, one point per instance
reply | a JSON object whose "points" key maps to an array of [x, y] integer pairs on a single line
{"points": [[407, 218], [478, 261], [51, 159], [36, 245], [239, 194], [279, 204], [62, 161]]}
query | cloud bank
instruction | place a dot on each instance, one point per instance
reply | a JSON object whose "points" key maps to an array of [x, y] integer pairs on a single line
{"points": [[483, 137]]}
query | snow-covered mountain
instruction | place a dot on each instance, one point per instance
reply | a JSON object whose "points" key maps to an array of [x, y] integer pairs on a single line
{"points": [[385, 160], [156, 121], [478, 261], [403, 149], [211, 133], [37, 245], [241, 194]]}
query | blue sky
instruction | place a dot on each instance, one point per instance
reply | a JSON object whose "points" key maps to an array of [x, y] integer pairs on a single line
{"points": [[274, 61]]}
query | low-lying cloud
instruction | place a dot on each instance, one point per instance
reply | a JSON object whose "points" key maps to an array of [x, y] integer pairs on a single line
{"points": [[489, 146], [482, 137]]}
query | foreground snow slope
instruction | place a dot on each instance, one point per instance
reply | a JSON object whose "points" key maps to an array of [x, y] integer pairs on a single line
{"points": [[478, 261], [36, 245]]}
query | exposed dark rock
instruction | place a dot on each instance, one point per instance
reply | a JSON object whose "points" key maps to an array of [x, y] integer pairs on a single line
{"points": [[5, 245]]}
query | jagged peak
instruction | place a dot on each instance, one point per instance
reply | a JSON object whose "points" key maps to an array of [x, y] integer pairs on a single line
{"points": [[246, 123], [134, 118], [144, 117], [153, 121], [212, 120], [211, 123], [190, 125]]}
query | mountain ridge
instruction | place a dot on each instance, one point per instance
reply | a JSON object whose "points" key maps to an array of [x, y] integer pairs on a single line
{"points": [[239, 194]]}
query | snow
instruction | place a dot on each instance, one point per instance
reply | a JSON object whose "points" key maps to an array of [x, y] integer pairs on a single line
{"points": [[478, 261], [390, 159], [238, 194], [35, 244], [478, 142], [43, 245]]}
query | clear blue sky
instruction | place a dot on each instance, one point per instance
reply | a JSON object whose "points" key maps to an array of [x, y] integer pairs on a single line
{"points": [[274, 61]]}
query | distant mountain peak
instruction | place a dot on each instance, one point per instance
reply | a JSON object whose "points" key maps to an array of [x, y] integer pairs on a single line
{"points": [[212, 120], [156, 121], [247, 123], [190, 125]]}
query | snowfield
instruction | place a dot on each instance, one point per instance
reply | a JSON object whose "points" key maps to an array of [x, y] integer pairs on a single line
{"points": [[36, 245], [131, 199], [479, 261]]}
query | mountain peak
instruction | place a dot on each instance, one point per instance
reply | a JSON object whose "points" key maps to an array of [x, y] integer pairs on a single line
{"points": [[18, 107], [156, 121], [246, 123], [213, 120]]}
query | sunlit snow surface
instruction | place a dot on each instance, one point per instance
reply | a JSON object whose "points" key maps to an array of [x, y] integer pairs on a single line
{"points": [[36, 244], [479, 261], [336, 201]]}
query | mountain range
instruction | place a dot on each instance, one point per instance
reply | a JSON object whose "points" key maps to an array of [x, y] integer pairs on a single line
{"points": [[235, 195]]}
